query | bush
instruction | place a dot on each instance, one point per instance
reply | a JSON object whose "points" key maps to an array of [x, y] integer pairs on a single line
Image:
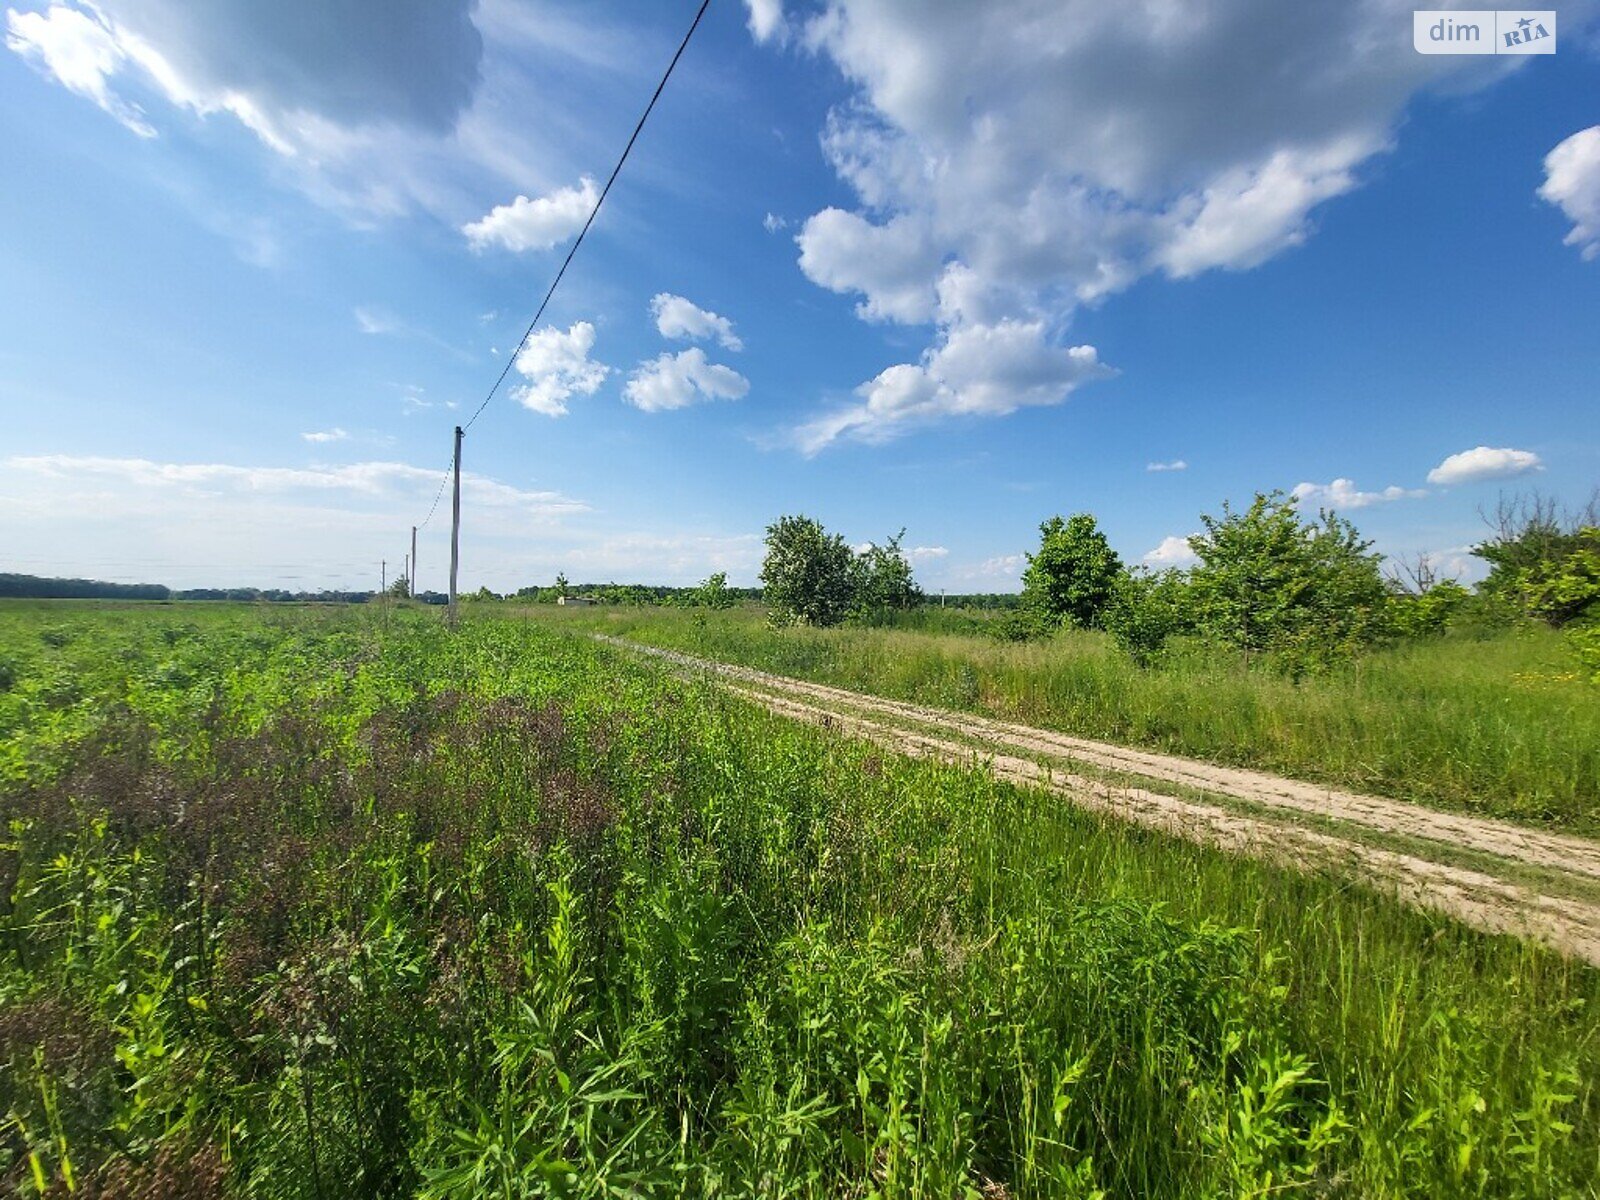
{"points": [[1147, 610], [1425, 614], [1307, 593]]}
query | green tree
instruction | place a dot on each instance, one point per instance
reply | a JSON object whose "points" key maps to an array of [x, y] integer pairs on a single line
{"points": [[808, 575], [714, 592], [883, 578], [1073, 576], [561, 585], [1270, 580]]}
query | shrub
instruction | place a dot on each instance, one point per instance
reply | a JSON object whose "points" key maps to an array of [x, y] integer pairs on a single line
{"points": [[1427, 613], [883, 579], [1306, 592], [1147, 610]]}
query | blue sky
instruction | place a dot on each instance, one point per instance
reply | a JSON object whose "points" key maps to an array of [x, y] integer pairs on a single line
{"points": [[952, 267]]}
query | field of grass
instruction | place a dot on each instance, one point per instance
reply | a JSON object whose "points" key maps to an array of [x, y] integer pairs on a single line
{"points": [[1499, 724], [300, 904]]}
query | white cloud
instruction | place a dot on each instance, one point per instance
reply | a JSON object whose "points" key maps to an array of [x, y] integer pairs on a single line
{"points": [[326, 435], [305, 528], [289, 80], [766, 20], [557, 367], [1173, 551], [1176, 464], [376, 321], [80, 51], [676, 317], [535, 224], [1248, 214], [1484, 462], [1000, 566], [390, 482], [926, 554], [977, 370], [893, 265], [772, 223], [1342, 494], [678, 380], [1016, 159], [1572, 183]]}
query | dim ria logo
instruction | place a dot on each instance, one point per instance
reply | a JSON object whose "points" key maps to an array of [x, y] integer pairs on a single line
{"points": [[1483, 31]]}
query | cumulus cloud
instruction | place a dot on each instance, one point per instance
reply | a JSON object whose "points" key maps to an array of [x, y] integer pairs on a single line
{"points": [[1572, 184], [1484, 462], [326, 435], [772, 223], [918, 555], [893, 265], [1174, 551], [557, 366], [537, 223], [1014, 160], [1176, 464], [674, 381], [977, 370], [766, 20], [676, 317], [1342, 494], [284, 70]]}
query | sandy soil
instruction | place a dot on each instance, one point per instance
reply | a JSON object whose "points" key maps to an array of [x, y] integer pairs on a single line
{"points": [[1275, 828]]}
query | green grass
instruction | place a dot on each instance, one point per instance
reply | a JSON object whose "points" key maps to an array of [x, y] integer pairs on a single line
{"points": [[296, 905], [1498, 724]]}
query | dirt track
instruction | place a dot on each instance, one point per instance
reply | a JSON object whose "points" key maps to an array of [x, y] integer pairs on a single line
{"points": [[1523, 881]]}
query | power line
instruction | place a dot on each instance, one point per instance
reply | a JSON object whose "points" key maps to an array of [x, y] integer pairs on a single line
{"points": [[453, 470], [594, 212], [434, 507]]}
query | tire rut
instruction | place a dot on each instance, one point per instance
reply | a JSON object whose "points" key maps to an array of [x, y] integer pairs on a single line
{"points": [[1477, 897]]}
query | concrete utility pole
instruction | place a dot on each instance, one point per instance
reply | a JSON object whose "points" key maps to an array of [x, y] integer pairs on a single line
{"points": [[406, 574], [455, 528], [411, 570]]}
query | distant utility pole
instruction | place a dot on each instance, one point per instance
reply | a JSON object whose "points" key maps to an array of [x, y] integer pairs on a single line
{"points": [[383, 588], [411, 571], [406, 574], [455, 528]]}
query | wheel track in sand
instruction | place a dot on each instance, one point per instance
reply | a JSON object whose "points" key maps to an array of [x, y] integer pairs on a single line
{"points": [[1275, 829]]}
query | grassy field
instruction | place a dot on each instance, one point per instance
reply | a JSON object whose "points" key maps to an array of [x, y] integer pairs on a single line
{"points": [[1499, 724], [297, 904]]}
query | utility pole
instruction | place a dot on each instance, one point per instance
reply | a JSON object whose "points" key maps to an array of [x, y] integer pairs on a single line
{"points": [[406, 575], [383, 589], [455, 528], [411, 570]]}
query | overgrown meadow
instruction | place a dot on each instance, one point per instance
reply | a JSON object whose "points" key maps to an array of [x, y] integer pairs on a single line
{"points": [[1500, 722], [313, 904]]}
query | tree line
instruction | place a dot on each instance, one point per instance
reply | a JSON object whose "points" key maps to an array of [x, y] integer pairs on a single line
{"points": [[1271, 581]]}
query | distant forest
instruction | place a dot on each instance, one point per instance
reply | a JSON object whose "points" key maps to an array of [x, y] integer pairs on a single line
{"points": [[36, 587]]}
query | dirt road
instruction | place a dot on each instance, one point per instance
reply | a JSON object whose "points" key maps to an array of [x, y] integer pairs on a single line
{"points": [[1495, 875]]}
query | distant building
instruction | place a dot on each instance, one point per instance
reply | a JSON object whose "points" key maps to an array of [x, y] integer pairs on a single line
{"points": [[571, 600]]}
